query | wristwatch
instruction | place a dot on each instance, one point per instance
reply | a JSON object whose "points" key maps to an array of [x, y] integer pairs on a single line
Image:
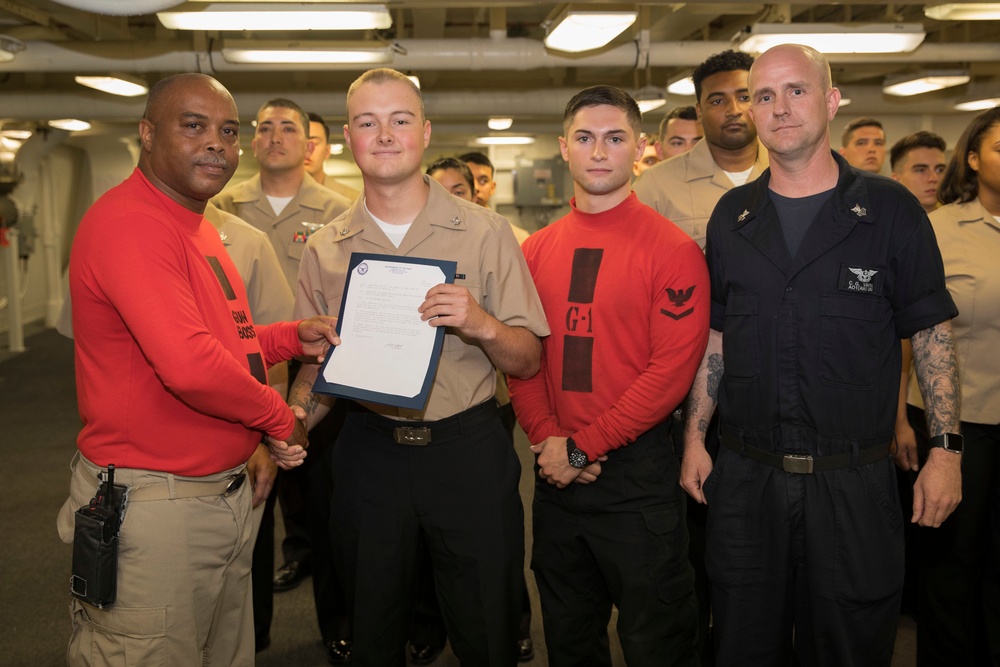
{"points": [[949, 442], [577, 457]]}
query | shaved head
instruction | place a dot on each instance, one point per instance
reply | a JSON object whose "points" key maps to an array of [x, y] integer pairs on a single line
{"points": [[160, 90]]}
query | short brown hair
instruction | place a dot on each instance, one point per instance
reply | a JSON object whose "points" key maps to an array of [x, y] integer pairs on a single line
{"points": [[385, 75]]}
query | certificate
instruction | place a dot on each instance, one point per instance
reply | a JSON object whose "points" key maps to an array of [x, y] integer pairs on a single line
{"points": [[387, 353]]}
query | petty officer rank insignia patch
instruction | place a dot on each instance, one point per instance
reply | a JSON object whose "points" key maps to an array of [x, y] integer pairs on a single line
{"points": [[860, 279], [678, 302]]}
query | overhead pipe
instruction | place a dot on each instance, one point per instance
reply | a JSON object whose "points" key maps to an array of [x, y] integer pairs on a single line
{"points": [[533, 106], [477, 54]]}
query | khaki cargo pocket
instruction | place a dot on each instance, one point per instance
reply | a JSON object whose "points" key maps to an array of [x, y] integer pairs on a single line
{"points": [[120, 636], [65, 523]]}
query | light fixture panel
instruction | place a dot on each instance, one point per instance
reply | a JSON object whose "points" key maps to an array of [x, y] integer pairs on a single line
{"points": [[924, 82], [114, 85], [579, 30], [978, 104], [649, 98], [836, 37], [499, 124], [964, 11], [224, 16], [305, 53], [70, 124], [683, 86], [9, 46]]}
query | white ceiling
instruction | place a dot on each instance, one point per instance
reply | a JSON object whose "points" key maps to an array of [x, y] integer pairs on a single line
{"points": [[474, 59]]}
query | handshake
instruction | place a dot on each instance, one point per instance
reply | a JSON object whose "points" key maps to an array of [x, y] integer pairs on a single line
{"points": [[291, 452]]}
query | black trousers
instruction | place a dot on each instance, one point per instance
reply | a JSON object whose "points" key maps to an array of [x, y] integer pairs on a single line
{"points": [[959, 563], [459, 494], [618, 541], [314, 479], [817, 557]]}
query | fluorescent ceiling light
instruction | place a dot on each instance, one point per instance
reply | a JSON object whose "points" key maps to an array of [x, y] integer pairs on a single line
{"points": [[504, 141], [306, 53], [70, 124], [844, 102], [649, 98], [9, 47], [22, 135], [836, 37], [681, 86], [118, 84], [276, 16], [336, 149], [415, 79], [10, 143], [924, 82], [499, 124], [586, 29], [964, 11], [977, 104]]}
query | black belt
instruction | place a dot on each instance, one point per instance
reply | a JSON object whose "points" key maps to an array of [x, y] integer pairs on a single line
{"points": [[804, 464], [419, 434]]}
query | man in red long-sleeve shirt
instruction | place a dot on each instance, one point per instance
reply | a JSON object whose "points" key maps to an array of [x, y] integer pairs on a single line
{"points": [[172, 389], [626, 297]]}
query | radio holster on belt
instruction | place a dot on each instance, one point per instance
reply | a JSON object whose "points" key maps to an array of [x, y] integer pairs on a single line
{"points": [[95, 544]]}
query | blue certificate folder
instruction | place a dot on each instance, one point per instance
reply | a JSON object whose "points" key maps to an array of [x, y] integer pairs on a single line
{"points": [[418, 401]]}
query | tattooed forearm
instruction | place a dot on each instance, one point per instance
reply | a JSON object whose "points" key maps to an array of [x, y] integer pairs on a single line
{"points": [[715, 368], [705, 390], [315, 405], [302, 396], [937, 376]]}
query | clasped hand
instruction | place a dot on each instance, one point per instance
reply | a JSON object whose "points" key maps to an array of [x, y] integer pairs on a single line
{"points": [[291, 453], [554, 466]]}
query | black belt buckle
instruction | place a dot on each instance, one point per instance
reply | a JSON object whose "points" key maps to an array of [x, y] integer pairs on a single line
{"points": [[412, 435], [235, 482], [799, 464]]}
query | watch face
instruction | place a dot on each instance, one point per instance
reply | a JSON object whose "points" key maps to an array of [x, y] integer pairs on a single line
{"points": [[954, 442], [577, 458]]}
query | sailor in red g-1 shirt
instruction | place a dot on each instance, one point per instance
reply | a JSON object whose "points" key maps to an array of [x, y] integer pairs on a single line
{"points": [[626, 297], [172, 387]]}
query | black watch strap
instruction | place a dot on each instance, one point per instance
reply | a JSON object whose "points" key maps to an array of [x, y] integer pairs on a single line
{"points": [[950, 442]]}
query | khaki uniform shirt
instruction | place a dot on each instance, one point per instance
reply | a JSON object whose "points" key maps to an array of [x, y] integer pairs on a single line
{"points": [[311, 208], [270, 297], [490, 265], [686, 188], [969, 239]]}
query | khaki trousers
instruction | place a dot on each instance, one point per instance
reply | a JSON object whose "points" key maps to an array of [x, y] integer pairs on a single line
{"points": [[184, 593]]}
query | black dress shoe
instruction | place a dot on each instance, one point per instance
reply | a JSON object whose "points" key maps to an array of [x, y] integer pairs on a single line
{"points": [[261, 643], [338, 652], [290, 575], [423, 654], [525, 650]]}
